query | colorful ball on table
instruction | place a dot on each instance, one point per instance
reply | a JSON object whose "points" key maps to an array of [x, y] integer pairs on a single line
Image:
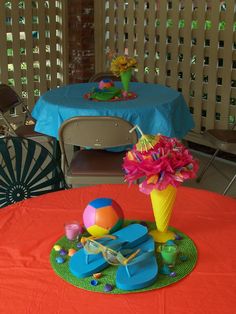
{"points": [[105, 83], [102, 216]]}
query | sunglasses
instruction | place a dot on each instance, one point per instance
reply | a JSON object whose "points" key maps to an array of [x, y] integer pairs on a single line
{"points": [[111, 256]]}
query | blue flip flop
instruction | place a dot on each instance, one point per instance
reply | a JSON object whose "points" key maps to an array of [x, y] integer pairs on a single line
{"points": [[142, 271], [83, 264]]}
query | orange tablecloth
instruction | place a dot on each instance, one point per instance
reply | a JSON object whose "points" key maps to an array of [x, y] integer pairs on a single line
{"points": [[29, 229]]}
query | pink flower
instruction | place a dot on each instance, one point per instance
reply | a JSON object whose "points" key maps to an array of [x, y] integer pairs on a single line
{"points": [[167, 162]]}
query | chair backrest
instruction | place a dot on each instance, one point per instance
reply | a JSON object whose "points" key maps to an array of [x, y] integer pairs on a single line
{"points": [[98, 132], [27, 169], [107, 75], [8, 98]]}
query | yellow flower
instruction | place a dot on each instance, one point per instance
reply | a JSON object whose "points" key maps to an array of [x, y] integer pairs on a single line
{"points": [[121, 64]]}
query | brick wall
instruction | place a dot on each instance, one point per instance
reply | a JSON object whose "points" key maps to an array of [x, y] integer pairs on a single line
{"points": [[81, 40]]}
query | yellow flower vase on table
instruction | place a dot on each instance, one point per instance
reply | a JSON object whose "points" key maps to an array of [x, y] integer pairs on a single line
{"points": [[162, 163], [122, 67], [162, 205]]}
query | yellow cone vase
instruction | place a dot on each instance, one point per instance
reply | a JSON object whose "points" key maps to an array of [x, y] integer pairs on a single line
{"points": [[162, 204]]}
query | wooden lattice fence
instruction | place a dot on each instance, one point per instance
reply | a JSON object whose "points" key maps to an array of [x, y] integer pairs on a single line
{"points": [[187, 45], [32, 47]]}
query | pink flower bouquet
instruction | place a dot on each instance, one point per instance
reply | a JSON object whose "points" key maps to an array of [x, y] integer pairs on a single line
{"points": [[160, 161]]}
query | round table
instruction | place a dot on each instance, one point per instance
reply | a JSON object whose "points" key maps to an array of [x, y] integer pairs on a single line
{"points": [[31, 227], [157, 108]]}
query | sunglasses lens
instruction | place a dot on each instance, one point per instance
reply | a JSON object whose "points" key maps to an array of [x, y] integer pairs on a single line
{"points": [[111, 256], [92, 247], [121, 259]]}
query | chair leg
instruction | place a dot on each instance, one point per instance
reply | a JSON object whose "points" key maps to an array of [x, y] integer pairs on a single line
{"points": [[229, 185], [56, 151], [199, 178]]}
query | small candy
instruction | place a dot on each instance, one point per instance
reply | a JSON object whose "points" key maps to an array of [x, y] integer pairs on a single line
{"points": [[71, 252], [97, 275], [172, 274], [57, 247], [79, 245], [94, 282], [178, 237], [63, 252], [60, 260], [183, 258], [108, 287]]}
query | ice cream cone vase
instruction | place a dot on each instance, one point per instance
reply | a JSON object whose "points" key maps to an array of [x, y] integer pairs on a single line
{"points": [[125, 80], [162, 204]]}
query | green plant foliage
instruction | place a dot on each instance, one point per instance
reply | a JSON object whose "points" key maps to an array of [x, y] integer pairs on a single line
{"points": [[36, 78], [36, 92], [9, 37], [194, 24], [158, 23], [22, 51], [146, 70], [23, 66], [8, 4], [11, 82], [10, 67], [169, 23], [208, 24], [181, 23], [9, 52], [21, 4], [222, 25], [24, 80]]}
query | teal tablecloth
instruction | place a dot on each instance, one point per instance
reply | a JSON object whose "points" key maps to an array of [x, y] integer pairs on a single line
{"points": [[157, 109]]}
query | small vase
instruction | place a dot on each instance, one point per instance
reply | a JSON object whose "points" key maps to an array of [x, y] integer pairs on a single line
{"points": [[125, 79], [162, 204]]}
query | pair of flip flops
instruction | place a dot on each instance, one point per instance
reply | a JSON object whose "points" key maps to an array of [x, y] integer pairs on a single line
{"points": [[139, 273]]}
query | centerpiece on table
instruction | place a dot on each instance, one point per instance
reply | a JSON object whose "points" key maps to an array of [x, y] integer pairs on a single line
{"points": [[162, 163], [122, 67], [106, 91]]}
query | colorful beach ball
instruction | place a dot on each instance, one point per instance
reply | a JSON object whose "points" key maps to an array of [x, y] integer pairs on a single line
{"points": [[105, 83], [102, 216]]}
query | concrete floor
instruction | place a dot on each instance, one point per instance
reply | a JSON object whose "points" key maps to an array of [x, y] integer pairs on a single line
{"points": [[217, 176]]}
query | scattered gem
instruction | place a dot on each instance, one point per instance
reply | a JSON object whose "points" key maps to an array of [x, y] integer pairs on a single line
{"points": [[79, 245], [172, 274], [57, 247], [108, 287], [63, 252], [97, 275], [165, 270], [94, 282], [183, 258], [71, 252], [178, 237], [60, 260]]}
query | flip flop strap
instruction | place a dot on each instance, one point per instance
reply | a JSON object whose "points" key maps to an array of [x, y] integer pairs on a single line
{"points": [[138, 259]]}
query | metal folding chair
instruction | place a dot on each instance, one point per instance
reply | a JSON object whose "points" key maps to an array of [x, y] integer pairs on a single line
{"points": [[27, 169], [95, 165], [223, 140]]}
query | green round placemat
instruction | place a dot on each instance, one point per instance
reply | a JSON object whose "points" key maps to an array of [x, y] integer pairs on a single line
{"points": [[186, 261]]}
